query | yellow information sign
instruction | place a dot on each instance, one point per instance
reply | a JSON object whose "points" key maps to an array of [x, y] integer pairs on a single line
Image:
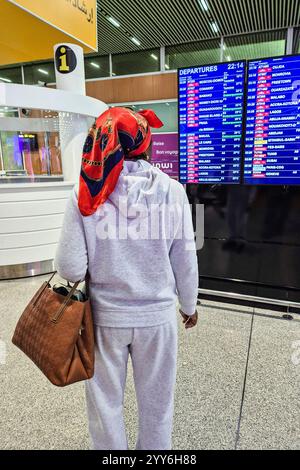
{"points": [[76, 18]]}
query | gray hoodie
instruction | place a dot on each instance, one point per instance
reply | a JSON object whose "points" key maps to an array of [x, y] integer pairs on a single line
{"points": [[138, 247]]}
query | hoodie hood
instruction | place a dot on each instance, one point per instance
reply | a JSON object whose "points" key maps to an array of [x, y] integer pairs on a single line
{"points": [[139, 186]]}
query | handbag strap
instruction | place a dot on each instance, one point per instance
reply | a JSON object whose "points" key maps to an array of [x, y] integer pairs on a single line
{"points": [[67, 299], [63, 306], [45, 286]]}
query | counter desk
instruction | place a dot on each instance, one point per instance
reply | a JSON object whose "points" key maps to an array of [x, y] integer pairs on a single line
{"points": [[42, 131]]}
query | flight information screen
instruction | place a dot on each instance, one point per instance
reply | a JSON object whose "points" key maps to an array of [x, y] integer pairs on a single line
{"points": [[272, 154], [211, 100]]}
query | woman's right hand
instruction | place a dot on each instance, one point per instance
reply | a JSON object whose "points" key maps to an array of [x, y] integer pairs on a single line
{"points": [[189, 320]]}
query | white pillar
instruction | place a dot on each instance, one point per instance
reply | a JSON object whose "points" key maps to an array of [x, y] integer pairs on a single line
{"points": [[73, 128], [69, 68], [290, 41]]}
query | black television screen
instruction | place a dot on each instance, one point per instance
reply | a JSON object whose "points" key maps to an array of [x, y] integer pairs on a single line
{"points": [[211, 105], [272, 142]]}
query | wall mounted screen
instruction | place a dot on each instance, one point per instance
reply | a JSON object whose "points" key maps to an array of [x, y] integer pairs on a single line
{"points": [[211, 100], [272, 154]]}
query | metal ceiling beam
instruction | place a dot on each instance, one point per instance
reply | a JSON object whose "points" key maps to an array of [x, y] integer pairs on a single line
{"points": [[159, 23]]}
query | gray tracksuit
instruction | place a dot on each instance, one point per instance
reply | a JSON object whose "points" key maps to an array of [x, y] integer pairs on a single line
{"points": [[140, 252]]}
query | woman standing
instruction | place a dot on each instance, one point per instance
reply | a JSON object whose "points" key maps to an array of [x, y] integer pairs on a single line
{"points": [[130, 225]]}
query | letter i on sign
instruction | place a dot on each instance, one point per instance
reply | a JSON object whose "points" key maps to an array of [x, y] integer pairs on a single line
{"points": [[63, 60]]}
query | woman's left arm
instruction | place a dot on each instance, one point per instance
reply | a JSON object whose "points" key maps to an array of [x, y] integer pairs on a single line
{"points": [[71, 259]]}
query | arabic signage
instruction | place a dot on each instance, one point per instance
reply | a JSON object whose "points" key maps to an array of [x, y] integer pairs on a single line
{"points": [[76, 18], [164, 153]]}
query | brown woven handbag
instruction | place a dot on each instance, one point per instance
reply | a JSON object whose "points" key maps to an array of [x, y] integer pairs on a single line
{"points": [[57, 334]]}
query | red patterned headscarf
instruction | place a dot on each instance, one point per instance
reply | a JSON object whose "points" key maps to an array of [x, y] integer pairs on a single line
{"points": [[117, 133]]}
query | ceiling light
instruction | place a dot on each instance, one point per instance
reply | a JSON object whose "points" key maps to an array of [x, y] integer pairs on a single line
{"points": [[95, 65], [43, 71], [113, 21], [167, 66], [214, 27], [154, 56], [5, 80], [135, 41], [203, 4]]}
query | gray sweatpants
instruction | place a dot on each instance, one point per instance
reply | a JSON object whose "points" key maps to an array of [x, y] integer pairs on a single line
{"points": [[153, 353]]}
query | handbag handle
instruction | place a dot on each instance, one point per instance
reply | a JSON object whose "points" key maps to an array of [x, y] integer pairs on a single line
{"points": [[63, 306], [68, 297], [45, 286]]}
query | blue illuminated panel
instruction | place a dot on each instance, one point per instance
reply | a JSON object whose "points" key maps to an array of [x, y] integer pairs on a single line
{"points": [[211, 100], [272, 154]]}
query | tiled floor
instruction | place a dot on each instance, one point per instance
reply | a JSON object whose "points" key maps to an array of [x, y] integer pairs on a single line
{"points": [[271, 411], [237, 386]]}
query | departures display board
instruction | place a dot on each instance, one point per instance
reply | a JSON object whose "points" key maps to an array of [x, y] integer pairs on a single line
{"points": [[211, 105], [272, 142]]}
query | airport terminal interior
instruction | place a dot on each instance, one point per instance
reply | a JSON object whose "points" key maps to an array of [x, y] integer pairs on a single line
{"points": [[224, 78]]}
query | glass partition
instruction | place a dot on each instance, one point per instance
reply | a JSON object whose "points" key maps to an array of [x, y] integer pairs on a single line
{"points": [[254, 46], [195, 53], [39, 72], [136, 62], [96, 66], [12, 158], [54, 153], [296, 45], [11, 75], [30, 143], [240, 47]]}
